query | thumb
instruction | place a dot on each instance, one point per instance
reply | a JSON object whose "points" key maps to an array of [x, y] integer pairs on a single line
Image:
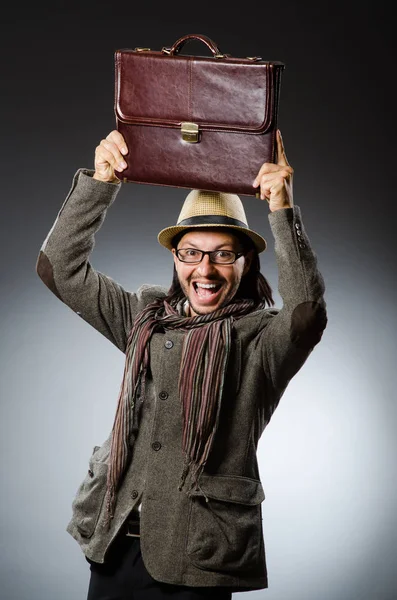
{"points": [[281, 156]]}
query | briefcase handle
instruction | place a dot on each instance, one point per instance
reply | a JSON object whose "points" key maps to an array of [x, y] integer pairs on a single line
{"points": [[178, 45]]}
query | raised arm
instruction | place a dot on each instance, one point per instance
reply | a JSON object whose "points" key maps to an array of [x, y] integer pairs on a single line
{"points": [[290, 334], [63, 261]]}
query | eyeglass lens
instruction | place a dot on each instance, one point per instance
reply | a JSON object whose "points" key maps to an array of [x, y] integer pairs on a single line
{"points": [[191, 255]]}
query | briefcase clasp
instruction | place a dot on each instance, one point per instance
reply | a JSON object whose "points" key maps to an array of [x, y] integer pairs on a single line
{"points": [[190, 132]]}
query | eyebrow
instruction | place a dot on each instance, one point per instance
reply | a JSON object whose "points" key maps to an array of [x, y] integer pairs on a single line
{"points": [[192, 245]]}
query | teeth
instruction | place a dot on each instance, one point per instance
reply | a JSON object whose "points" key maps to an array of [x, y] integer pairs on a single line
{"points": [[206, 285]]}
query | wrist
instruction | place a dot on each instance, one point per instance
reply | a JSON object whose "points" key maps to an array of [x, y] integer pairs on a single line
{"points": [[99, 178], [280, 208]]}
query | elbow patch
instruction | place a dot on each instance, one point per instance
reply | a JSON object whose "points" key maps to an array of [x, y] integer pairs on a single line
{"points": [[45, 272], [308, 321]]}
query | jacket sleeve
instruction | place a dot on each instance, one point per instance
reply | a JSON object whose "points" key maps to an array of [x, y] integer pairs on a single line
{"points": [[291, 332], [63, 262]]}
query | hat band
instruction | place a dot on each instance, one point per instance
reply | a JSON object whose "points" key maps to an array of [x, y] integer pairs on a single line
{"points": [[212, 220]]}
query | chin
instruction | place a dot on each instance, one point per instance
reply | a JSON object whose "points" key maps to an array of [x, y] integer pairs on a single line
{"points": [[205, 310]]}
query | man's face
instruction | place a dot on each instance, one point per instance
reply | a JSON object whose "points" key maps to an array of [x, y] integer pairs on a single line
{"points": [[193, 277]]}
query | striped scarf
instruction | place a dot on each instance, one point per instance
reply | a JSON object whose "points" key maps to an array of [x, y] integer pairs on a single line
{"points": [[204, 360]]}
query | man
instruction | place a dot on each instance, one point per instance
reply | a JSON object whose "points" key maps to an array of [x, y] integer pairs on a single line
{"points": [[172, 500]]}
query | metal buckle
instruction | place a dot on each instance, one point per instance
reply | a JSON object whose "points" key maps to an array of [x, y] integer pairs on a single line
{"points": [[190, 132]]}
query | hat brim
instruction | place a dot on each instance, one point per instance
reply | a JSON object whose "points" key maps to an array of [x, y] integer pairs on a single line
{"points": [[166, 235]]}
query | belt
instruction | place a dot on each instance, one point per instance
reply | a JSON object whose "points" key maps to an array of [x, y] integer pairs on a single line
{"points": [[133, 528]]}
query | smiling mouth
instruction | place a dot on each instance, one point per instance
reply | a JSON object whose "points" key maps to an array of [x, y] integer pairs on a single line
{"points": [[206, 291]]}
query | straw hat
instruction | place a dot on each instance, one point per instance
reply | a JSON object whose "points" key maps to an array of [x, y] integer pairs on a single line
{"points": [[211, 209]]}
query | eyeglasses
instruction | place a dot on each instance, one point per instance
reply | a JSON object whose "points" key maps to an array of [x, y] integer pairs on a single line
{"points": [[219, 257]]}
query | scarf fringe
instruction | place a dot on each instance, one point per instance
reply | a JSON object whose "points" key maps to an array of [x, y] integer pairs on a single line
{"points": [[110, 502]]}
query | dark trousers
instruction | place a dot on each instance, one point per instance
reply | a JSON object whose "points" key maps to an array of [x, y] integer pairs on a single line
{"points": [[124, 577]]}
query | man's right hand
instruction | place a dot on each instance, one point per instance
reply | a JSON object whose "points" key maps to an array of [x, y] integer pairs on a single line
{"points": [[109, 157]]}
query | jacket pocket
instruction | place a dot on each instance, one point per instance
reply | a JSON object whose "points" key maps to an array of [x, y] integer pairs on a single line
{"points": [[87, 504], [225, 524]]}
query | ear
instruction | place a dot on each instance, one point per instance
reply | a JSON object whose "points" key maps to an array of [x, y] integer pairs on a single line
{"points": [[175, 257], [247, 262]]}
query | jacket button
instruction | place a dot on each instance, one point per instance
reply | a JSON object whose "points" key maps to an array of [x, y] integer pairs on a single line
{"points": [[90, 473], [297, 225], [163, 395], [302, 245], [156, 446], [134, 494], [298, 232], [168, 344]]}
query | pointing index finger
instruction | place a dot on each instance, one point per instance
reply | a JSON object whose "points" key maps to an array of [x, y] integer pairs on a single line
{"points": [[281, 156]]}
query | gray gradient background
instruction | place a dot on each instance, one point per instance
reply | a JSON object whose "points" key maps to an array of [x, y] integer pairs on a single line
{"points": [[327, 459]]}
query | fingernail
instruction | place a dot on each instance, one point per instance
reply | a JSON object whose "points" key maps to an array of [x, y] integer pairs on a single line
{"points": [[124, 150], [255, 183], [123, 165]]}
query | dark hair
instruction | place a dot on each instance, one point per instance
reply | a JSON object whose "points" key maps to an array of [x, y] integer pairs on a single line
{"points": [[253, 284]]}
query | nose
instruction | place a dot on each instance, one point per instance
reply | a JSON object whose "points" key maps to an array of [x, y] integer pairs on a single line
{"points": [[206, 267]]}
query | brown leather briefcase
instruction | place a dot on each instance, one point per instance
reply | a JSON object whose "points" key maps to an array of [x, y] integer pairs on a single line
{"points": [[198, 122]]}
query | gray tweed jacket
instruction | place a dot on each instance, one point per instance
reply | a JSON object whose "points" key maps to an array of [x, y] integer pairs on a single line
{"points": [[211, 536]]}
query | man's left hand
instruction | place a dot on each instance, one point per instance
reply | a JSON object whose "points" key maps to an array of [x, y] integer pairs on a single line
{"points": [[275, 180]]}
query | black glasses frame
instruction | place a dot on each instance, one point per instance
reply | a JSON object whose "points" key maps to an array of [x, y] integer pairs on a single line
{"points": [[204, 252]]}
